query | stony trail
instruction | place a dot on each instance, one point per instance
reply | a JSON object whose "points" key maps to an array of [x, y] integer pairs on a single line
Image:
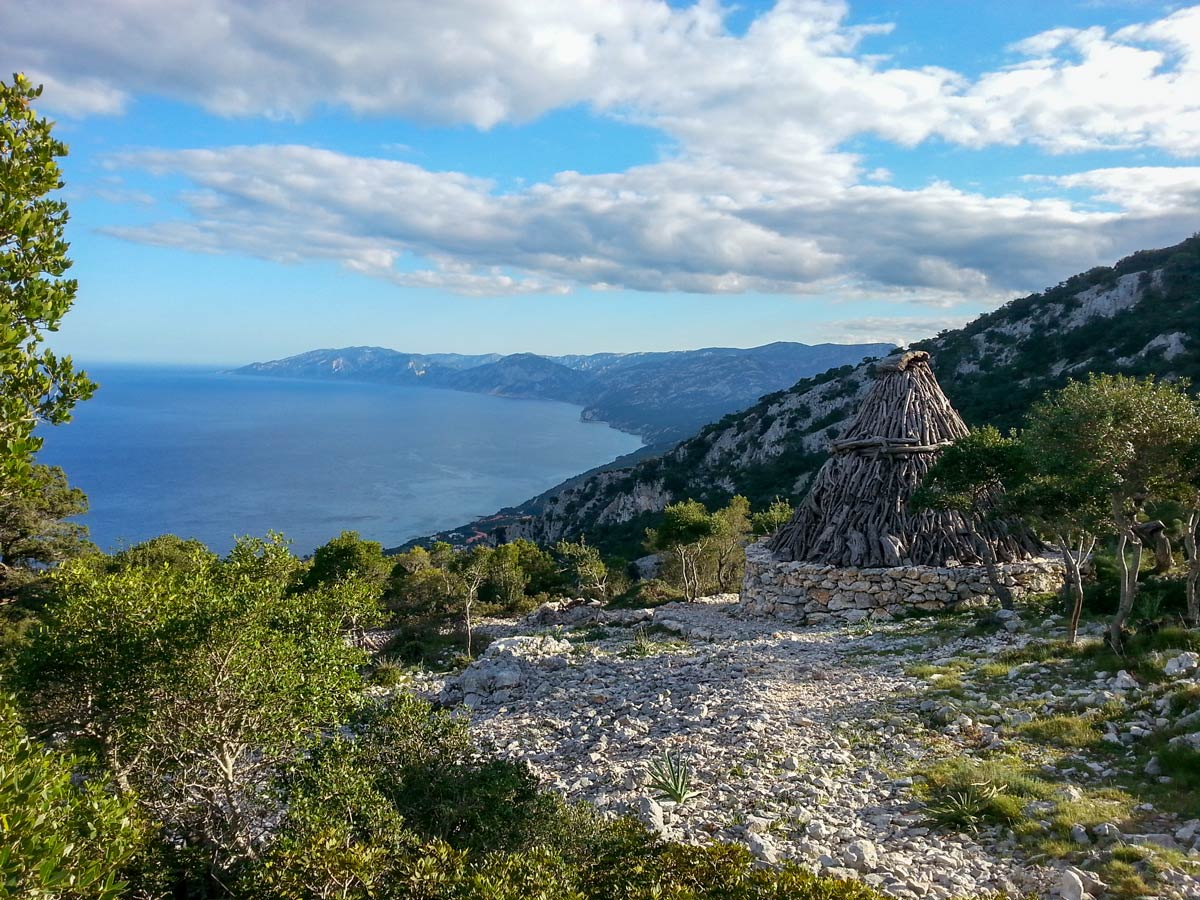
{"points": [[799, 741]]}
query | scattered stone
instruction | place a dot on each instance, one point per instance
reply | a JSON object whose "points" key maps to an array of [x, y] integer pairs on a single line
{"points": [[1070, 887], [763, 847], [1124, 682], [1182, 664], [650, 812], [862, 855]]}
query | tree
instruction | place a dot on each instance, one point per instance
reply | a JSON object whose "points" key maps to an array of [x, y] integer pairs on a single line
{"points": [[1070, 510], [59, 839], [731, 531], [33, 527], [347, 555], [506, 579], [584, 568], [473, 567], [1127, 440], [774, 517], [35, 385], [970, 477], [198, 686], [1189, 494], [685, 532]]}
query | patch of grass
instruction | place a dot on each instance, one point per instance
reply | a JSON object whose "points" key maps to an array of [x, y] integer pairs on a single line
{"points": [[1182, 764], [592, 633], [1062, 731], [1124, 880], [388, 673], [1108, 805], [1184, 699], [994, 670], [928, 670], [643, 644], [970, 793]]}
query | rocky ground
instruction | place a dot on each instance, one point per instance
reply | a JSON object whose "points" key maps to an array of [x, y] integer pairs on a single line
{"points": [[804, 743]]}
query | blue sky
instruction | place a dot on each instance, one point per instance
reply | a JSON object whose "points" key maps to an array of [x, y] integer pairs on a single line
{"points": [[250, 180]]}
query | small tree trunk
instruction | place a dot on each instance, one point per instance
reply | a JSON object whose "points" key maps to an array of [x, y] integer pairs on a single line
{"points": [[1193, 576], [1129, 566], [467, 621], [989, 564], [1073, 558]]}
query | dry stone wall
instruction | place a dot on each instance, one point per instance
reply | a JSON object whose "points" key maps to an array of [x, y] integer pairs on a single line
{"points": [[811, 592]]}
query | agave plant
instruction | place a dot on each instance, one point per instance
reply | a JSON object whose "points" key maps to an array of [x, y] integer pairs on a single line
{"points": [[965, 809], [671, 777]]}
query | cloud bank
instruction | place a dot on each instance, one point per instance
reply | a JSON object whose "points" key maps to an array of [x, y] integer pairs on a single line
{"points": [[760, 195]]}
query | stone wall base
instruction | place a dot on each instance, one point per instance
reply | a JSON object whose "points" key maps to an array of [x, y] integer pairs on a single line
{"points": [[809, 593]]}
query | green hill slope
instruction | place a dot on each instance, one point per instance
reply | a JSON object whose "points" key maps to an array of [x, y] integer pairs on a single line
{"points": [[1139, 317]]}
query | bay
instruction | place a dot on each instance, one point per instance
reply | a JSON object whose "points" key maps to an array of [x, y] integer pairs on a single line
{"points": [[203, 454]]}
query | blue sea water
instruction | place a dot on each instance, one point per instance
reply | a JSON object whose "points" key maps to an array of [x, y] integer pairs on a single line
{"points": [[203, 454]]}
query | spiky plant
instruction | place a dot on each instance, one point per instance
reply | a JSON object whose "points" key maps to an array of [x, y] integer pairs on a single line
{"points": [[671, 778]]}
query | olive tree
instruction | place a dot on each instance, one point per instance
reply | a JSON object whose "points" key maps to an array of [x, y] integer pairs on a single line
{"points": [[1071, 512], [686, 532], [1124, 439], [584, 568]]}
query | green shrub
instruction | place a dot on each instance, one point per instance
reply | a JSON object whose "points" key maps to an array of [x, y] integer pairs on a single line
{"points": [[58, 839]]}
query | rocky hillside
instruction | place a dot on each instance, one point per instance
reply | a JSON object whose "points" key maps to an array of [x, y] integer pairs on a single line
{"points": [[664, 397], [1138, 317]]}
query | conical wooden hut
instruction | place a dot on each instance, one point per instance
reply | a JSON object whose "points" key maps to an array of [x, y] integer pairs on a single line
{"points": [[857, 513]]}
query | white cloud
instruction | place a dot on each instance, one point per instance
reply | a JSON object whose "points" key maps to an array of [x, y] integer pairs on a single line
{"points": [[760, 195], [680, 225], [794, 86]]}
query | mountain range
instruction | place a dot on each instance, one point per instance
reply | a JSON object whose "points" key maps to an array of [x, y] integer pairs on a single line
{"points": [[1138, 317], [663, 397]]}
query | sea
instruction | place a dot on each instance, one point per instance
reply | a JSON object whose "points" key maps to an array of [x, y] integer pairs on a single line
{"points": [[201, 453]]}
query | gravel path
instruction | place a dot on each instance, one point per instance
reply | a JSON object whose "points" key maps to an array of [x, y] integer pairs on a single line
{"points": [[799, 741]]}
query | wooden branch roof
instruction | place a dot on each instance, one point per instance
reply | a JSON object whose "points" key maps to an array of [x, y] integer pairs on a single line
{"points": [[856, 513]]}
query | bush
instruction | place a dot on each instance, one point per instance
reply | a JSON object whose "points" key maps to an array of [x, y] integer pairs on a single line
{"points": [[58, 839]]}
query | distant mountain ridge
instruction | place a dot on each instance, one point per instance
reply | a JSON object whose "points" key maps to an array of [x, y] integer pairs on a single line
{"points": [[661, 396], [1139, 317]]}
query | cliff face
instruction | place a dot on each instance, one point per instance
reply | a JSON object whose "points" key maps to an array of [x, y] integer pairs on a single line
{"points": [[1138, 317]]}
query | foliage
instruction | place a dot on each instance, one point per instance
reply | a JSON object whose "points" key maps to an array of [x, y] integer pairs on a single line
{"points": [[347, 556], [771, 519], [33, 527], [196, 685], [35, 385], [671, 777], [584, 568], [167, 551], [59, 839], [1118, 441], [970, 476]]}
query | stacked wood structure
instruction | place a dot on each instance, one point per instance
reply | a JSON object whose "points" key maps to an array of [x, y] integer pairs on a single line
{"points": [[857, 513]]}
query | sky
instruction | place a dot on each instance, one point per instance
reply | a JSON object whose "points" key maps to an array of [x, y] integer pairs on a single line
{"points": [[249, 180]]}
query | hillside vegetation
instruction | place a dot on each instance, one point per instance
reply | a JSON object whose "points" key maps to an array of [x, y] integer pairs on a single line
{"points": [[1137, 318]]}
